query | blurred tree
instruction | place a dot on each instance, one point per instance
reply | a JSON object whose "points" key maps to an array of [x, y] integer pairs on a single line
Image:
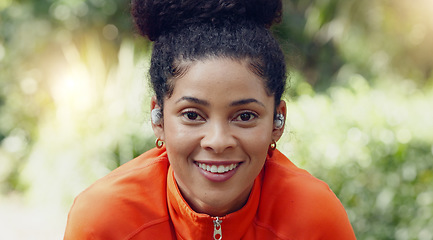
{"points": [[34, 40], [316, 58], [322, 36]]}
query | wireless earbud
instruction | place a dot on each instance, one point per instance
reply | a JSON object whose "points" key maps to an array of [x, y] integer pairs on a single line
{"points": [[279, 121], [156, 116]]}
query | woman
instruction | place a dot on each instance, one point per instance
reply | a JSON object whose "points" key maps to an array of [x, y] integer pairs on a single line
{"points": [[218, 77]]}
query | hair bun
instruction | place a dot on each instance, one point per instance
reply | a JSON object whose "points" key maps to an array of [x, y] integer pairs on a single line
{"points": [[154, 17]]}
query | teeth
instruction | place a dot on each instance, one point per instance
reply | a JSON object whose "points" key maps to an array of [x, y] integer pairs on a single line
{"points": [[217, 169]]}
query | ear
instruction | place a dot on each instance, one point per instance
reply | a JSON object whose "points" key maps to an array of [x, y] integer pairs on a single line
{"points": [[158, 129], [278, 132]]}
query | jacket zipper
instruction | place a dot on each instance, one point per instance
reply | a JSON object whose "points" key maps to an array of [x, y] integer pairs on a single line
{"points": [[217, 233]]}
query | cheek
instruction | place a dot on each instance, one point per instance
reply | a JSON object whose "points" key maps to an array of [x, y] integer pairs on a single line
{"points": [[180, 141], [256, 143]]}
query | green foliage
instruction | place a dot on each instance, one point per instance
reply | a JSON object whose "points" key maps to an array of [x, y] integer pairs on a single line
{"points": [[74, 103], [318, 60], [374, 147], [321, 36], [49, 52]]}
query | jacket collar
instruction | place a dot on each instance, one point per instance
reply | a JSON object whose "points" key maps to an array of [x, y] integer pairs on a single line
{"points": [[189, 224]]}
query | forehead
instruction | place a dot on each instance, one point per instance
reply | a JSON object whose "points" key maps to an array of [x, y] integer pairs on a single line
{"points": [[219, 78]]}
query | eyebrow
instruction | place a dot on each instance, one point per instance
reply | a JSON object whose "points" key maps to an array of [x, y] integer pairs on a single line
{"points": [[194, 100], [246, 101], [233, 104]]}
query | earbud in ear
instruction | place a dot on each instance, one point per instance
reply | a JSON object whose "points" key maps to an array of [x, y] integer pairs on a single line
{"points": [[279, 121], [156, 116]]}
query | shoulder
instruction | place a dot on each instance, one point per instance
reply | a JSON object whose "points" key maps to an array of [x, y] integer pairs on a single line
{"points": [[121, 202], [300, 202]]}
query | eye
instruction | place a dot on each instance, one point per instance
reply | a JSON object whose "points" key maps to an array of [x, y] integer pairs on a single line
{"points": [[192, 116], [245, 117]]}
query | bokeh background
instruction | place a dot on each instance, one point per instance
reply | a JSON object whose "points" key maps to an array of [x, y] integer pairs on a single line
{"points": [[74, 104]]}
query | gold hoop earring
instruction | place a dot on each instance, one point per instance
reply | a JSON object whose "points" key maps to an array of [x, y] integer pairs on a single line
{"points": [[273, 145], [159, 143]]}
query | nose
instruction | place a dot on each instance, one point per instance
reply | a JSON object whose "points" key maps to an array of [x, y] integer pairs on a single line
{"points": [[218, 137]]}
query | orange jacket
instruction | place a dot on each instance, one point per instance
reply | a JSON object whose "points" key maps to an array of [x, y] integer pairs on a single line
{"points": [[140, 200]]}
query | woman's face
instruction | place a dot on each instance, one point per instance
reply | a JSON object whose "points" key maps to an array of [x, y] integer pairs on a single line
{"points": [[217, 127]]}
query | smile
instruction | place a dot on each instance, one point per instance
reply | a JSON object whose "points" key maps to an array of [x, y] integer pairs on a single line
{"points": [[217, 169]]}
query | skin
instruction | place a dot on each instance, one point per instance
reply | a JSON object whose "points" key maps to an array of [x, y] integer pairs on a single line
{"points": [[219, 114]]}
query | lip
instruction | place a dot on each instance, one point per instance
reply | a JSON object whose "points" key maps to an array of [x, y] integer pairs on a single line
{"points": [[217, 177]]}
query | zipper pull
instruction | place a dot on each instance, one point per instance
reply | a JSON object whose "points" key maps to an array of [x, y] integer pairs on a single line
{"points": [[217, 233]]}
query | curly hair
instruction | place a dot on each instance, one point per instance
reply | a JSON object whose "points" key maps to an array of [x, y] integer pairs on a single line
{"points": [[189, 30]]}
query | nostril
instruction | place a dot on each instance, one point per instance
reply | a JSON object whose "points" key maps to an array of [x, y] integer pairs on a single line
{"points": [[218, 140]]}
